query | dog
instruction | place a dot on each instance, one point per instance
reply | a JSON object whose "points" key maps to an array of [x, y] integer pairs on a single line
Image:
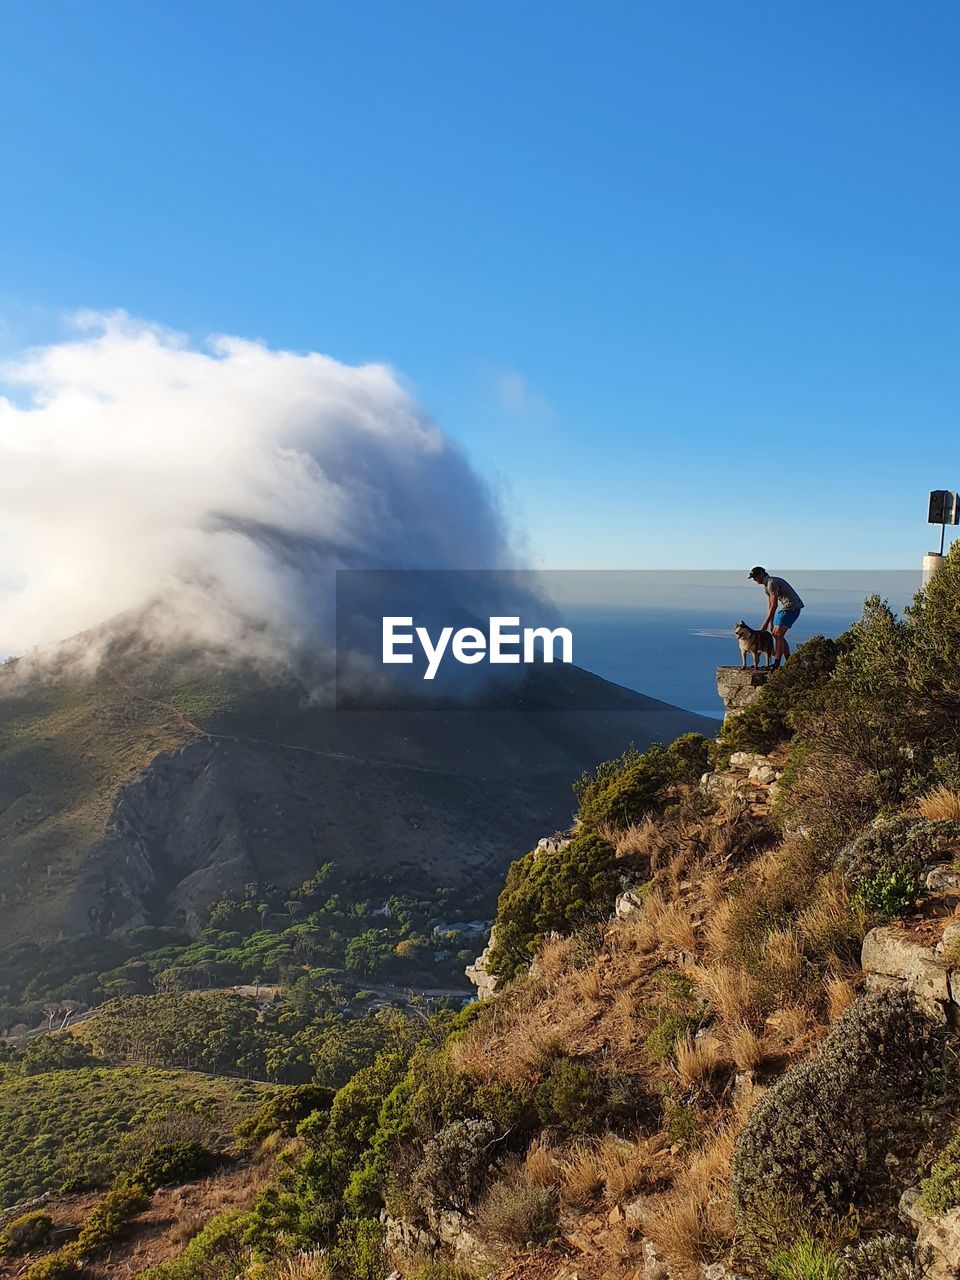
{"points": [[755, 642]]}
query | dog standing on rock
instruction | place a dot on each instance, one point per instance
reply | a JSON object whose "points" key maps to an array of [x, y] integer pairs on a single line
{"points": [[755, 642]]}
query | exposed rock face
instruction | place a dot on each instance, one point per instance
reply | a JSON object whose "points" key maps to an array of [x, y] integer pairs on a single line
{"points": [[941, 1235], [739, 688], [485, 982], [890, 959]]}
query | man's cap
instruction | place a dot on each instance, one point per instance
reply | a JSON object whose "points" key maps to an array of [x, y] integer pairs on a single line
{"points": [[758, 571]]}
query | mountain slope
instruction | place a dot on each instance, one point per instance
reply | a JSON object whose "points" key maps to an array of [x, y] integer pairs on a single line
{"points": [[146, 790]]}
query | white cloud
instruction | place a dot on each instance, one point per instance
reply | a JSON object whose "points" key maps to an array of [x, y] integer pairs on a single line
{"points": [[226, 482]]}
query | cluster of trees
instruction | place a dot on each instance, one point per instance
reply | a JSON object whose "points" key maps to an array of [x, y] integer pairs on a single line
{"points": [[330, 928], [309, 1035]]}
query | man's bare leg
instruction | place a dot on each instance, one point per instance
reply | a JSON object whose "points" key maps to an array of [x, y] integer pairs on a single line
{"points": [[780, 649]]}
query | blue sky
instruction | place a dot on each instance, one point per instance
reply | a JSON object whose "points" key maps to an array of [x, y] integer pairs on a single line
{"points": [[683, 278]]}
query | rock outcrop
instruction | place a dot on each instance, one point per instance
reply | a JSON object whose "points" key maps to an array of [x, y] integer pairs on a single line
{"points": [[938, 1234], [740, 687]]}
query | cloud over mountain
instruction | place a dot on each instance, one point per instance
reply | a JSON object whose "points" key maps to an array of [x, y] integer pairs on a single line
{"points": [[223, 483]]}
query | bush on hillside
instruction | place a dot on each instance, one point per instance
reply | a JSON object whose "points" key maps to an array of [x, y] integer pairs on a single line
{"points": [[570, 1098], [283, 1111], [940, 1189], [816, 1136], [172, 1163], [787, 699], [623, 791], [551, 892], [885, 1257], [27, 1232], [884, 866], [514, 1215], [454, 1165]]}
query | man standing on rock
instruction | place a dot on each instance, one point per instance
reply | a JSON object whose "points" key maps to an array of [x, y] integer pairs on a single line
{"points": [[785, 606]]}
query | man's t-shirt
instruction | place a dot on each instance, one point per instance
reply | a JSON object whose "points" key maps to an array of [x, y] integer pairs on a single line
{"points": [[787, 597]]}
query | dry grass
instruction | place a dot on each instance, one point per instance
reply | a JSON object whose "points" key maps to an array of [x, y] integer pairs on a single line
{"points": [[307, 1265], [782, 962], [827, 926], [553, 961], [729, 989], [693, 1221], [582, 1175], [637, 840], [941, 804], [793, 1026], [541, 1168], [697, 1059], [840, 993], [746, 1047], [610, 1167]]}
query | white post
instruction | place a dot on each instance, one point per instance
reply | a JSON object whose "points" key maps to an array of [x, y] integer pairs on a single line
{"points": [[931, 563]]}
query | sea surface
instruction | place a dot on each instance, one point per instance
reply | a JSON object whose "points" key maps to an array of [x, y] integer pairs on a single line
{"points": [[668, 641]]}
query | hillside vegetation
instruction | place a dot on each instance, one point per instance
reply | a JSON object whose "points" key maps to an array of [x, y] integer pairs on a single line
{"points": [[699, 1086], [68, 1130]]}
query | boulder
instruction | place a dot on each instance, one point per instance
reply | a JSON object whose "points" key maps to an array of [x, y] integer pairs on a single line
{"points": [[890, 959], [739, 688], [942, 877], [485, 982], [941, 1235], [628, 902]]}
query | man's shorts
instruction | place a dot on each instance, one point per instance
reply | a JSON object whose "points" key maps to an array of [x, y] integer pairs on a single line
{"points": [[785, 618]]}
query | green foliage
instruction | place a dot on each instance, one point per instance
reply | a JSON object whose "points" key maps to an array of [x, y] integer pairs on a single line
{"points": [[788, 698], [438, 1271], [217, 1252], [940, 1189], [307, 1035], [885, 1257], [359, 1252], [171, 1163], [689, 757], [570, 1097], [79, 1128], [671, 1027], [884, 866], [62, 1265], [551, 892], [27, 1232], [805, 1259], [818, 1135], [60, 1052], [623, 791], [283, 1111]]}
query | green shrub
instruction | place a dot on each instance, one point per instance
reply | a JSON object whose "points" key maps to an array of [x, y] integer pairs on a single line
{"points": [[216, 1252], [359, 1253], [283, 1111], [787, 699], [173, 1163], [551, 892], [438, 1271], [62, 1265], [689, 757], [514, 1215], [671, 1027], [884, 866], [818, 1135], [570, 1097], [25, 1233], [623, 791], [454, 1165], [940, 1189], [805, 1259], [111, 1215]]}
